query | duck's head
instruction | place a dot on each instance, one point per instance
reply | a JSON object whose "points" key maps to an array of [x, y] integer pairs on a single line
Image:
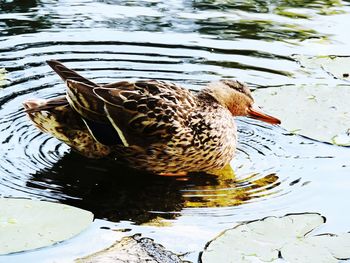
{"points": [[236, 96]]}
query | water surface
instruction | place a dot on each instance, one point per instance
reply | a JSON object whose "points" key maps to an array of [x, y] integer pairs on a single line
{"points": [[190, 43]]}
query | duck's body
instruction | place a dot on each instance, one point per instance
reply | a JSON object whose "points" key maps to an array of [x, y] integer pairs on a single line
{"points": [[151, 125]]}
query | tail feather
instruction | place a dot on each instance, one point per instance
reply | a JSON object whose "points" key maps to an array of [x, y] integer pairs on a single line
{"points": [[37, 105], [66, 73], [76, 118]]}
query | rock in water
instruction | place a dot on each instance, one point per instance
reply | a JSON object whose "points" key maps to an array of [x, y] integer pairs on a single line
{"points": [[133, 249]]}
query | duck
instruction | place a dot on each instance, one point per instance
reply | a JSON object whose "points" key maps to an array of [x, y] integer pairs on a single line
{"points": [[150, 125]]}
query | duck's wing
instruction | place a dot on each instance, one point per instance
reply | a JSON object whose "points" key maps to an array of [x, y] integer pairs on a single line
{"points": [[85, 102], [142, 113], [66, 73], [82, 98]]}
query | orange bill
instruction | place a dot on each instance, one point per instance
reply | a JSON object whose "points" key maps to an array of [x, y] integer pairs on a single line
{"points": [[256, 113]]}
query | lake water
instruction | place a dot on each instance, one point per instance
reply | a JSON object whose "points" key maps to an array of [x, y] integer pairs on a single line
{"points": [[190, 43]]}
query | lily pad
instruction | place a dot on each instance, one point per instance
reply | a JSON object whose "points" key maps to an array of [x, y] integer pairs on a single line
{"points": [[271, 238], [303, 252], [27, 224], [319, 112], [337, 66]]}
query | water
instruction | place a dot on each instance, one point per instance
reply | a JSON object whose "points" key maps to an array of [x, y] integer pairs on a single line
{"points": [[190, 43]]}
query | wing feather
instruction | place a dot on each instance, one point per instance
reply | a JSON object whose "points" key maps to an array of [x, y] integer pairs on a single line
{"points": [[141, 113], [147, 113]]}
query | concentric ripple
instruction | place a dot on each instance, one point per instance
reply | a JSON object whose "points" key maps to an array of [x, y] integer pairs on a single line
{"points": [[188, 43], [37, 165]]}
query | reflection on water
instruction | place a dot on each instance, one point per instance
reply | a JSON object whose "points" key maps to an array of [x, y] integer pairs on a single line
{"points": [[118, 193], [224, 19], [16, 17], [229, 193], [190, 43], [39, 166]]}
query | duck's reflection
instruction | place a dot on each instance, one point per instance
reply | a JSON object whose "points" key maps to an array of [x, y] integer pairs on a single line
{"points": [[114, 192]]}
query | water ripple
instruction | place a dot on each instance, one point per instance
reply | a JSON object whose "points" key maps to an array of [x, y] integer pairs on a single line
{"points": [[40, 166], [189, 48]]}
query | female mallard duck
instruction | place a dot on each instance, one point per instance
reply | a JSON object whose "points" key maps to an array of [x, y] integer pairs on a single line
{"points": [[151, 125]]}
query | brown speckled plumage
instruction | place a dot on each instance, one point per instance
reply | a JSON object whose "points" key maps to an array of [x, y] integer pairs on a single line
{"points": [[151, 125]]}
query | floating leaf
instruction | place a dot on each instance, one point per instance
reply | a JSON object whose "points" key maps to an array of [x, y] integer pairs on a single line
{"points": [[303, 252], [27, 224], [319, 112], [273, 237], [337, 66], [322, 248], [2, 76], [2, 73]]}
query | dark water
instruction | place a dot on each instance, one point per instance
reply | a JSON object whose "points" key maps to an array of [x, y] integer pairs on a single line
{"points": [[190, 43]]}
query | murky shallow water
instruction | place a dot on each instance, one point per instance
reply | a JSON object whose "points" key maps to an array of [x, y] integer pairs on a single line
{"points": [[190, 43]]}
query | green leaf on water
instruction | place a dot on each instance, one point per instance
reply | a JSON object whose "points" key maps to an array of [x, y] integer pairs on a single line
{"points": [[273, 237], [319, 112], [27, 224], [3, 73]]}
